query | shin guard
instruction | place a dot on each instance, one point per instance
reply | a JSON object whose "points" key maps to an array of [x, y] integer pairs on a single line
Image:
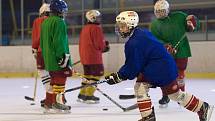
{"points": [[143, 99]]}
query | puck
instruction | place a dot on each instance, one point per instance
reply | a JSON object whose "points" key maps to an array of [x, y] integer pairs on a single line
{"points": [[32, 104], [104, 109]]}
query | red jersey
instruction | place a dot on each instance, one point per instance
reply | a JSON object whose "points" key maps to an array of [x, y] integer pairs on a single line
{"points": [[91, 44], [36, 32]]}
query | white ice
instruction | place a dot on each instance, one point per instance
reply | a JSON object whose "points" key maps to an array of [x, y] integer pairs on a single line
{"points": [[13, 106]]}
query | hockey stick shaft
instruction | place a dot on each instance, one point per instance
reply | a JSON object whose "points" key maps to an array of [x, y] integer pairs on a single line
{"points": [[35, 89], [35, 86], [75, 63], [180, 41], [113, 101], [132, 107], [82, 86]]}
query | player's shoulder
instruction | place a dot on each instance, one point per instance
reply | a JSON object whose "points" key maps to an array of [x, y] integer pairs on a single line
{"points": [[178, 13]]}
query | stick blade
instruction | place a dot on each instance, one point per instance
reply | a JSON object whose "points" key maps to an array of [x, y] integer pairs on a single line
{"points": [[29, 98], [125, 97]]}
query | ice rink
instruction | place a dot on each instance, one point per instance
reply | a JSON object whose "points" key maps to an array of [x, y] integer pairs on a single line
{"points": [[13, 106]]}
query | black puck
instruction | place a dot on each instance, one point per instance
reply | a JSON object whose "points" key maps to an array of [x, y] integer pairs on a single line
{"points": [[32, 104], [104, 109]]}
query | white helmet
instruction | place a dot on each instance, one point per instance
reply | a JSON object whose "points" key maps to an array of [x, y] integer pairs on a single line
{"points": [[92, 15], [161, 9], [44, 8], [130, 18]]}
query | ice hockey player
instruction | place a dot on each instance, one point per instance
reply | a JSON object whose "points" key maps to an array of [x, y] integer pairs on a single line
{"points": [[145, 54], [36, 50], [56, 54], [91, 47], [170, 28]]}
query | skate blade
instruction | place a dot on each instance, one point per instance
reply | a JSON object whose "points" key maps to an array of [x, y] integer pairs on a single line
{"points": [[91, 102], [163, 106], [210, 110], [80, 100], [56, 111]]}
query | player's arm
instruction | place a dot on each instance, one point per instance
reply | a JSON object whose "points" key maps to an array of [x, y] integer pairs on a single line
{"points": [[61, 45], [156, 33], [98, 39], [35, 37]]}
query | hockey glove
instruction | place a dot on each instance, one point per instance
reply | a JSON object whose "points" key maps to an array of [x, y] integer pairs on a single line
{"points": [[170, 49], [107, 47], [34, 52], [191, 23], [63, 62], [113, 78]]}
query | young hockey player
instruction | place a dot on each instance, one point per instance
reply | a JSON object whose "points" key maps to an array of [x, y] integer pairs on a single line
{"points": [[56, 54], [170, 28], [91, 47], [145, 54], [36, 50]]}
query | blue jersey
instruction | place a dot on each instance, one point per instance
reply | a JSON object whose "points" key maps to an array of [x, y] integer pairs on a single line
{"points": [[145, 54]]}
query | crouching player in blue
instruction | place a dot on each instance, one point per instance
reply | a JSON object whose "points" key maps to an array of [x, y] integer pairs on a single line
{"points": [[145, 54]]}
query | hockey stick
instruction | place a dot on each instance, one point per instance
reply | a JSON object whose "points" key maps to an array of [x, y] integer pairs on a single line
{"points": [[35, 85], [35, 90]]}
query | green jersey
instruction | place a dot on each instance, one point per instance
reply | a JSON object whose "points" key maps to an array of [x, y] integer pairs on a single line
{"points": [[171, 30], [54, 42]]}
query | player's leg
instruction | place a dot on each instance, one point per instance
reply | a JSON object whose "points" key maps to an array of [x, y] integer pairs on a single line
{"points": [[181, 65], [54, 97], [91, 71], [188, 101], [44, 75], [144, 101]]}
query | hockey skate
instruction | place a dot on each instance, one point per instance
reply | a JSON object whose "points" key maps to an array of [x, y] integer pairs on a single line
{"points": [[92, 100], [164, 102], [81, 98], [205, 112], [57, 108], [150, 117]]}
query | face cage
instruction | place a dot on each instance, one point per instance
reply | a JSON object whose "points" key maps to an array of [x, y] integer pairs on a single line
{"points": [[123, 34], [161, 13]]}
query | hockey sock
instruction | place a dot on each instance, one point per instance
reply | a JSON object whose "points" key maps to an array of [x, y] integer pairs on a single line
{"points": [[90, 90], [58, 86], [44, 75], [143, 99], [50, 99], [180, 80], [188, 101], [83, 90]]}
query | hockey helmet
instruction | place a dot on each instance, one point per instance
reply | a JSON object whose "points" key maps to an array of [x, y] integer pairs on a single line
{"points": [[58, 6], [161, 9], [126, 20], [93, 15], [44, 8]]}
